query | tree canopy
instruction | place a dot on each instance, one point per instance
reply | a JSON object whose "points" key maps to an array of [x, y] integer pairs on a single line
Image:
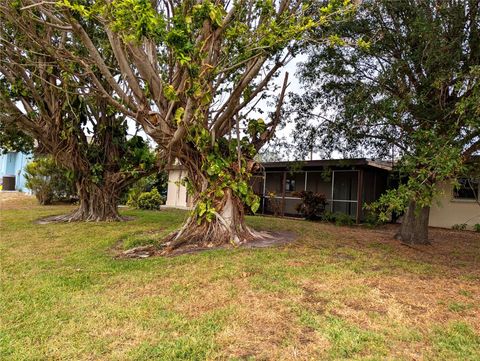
{"points": [[401, 75], [13, 139], [45, 97]]}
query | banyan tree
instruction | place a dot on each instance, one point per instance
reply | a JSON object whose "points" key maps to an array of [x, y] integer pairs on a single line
{"points": [[193, 75]]}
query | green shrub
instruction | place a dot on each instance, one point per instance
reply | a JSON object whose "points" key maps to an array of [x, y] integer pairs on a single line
{"points": [[312, 206], [342, 219], [476, 227], [460, 227], [155, 181], [133, 194], [372, 219], [48, 181], [150, 200], [328, 216]]}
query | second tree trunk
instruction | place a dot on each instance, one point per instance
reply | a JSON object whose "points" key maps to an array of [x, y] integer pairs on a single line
{"points": [[96, 203], [414, 227]]}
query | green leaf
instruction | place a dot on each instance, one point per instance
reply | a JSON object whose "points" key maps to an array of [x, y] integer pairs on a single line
{"points": [[255, 205]]}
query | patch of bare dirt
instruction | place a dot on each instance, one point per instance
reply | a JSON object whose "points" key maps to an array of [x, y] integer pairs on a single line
{"points": [[15, 200]]}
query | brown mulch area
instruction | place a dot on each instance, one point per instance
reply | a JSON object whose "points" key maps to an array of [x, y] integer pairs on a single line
{"points": [[451, 248]]}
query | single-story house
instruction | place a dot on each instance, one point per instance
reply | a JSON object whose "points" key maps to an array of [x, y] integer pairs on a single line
{"points": [[348, 185], [12, 167]]}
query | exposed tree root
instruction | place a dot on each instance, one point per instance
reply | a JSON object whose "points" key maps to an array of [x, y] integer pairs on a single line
{"points": [[228, 227], [79, 216], [263, 240], [209, 235]]}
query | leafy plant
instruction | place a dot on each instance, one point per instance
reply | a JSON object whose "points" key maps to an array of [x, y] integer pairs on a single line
{"points": [[372, 218], [459, 226], [275, 203], [342, 219], [158, 181], [150, 200], [328, 216], [476, 227], [313, 204], [48, 181]]}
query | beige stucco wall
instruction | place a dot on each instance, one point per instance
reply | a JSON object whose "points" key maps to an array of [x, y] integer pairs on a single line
{"points": [[449, 211], [176, 193]]}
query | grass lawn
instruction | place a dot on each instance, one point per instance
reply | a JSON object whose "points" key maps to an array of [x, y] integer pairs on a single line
{"points": [[335, 293]]}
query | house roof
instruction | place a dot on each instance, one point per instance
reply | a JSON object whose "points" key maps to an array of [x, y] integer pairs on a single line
{"points": [[305, 164]]}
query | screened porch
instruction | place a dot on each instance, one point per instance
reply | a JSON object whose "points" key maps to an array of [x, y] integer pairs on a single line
{"points": [[346, 187]]}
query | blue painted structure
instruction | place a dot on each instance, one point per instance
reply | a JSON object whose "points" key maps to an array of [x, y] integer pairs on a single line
{"points": [[13, 163]]}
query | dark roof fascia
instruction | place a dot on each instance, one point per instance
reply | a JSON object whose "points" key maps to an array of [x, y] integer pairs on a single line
{"points": [[333, 163]]}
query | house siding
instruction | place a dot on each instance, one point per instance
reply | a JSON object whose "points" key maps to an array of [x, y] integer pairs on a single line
{"points": [[448, 211], [13, 164]]}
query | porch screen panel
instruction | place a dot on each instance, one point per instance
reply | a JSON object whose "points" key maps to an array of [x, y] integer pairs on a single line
{"points": [[297, 183], [345, 191], [291, 206], [345, 186], [349, 208], [274, 183], [317, 183], [369, 184]]}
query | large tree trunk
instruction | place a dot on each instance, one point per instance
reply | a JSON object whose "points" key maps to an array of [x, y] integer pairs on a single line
{"points": [[226, 227], [414, 228], [97, 203]]}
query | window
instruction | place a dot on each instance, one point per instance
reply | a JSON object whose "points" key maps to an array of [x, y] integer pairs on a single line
{"points": [[468, 189], [290, 185]]}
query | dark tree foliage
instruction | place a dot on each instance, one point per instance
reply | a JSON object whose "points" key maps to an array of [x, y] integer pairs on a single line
{"points": [[400, 78], [13, 139]]}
